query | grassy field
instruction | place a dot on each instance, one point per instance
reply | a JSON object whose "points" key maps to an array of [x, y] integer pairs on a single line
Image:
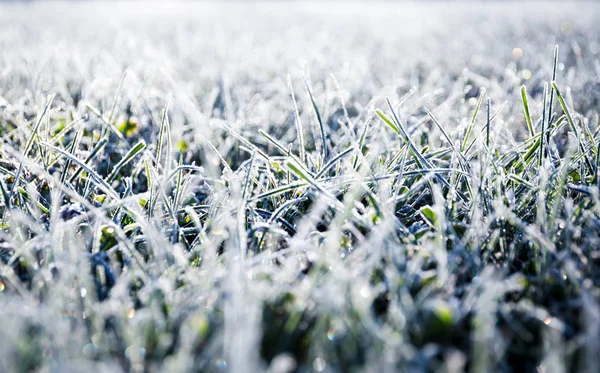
{"points": [[291, 187]]}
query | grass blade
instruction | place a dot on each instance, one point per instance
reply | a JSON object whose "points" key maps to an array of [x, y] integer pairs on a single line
{"points": [[137, 148], [526, 110], [473, 118], [321, 127], [97, 178], [28, 147], [299, 131], [572, 125]]}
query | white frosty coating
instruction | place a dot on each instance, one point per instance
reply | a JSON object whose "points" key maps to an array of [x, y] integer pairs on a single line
{"points": [[226, 65]]}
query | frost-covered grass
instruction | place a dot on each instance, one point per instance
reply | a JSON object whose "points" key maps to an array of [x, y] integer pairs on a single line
{"points": [[299, 187]]}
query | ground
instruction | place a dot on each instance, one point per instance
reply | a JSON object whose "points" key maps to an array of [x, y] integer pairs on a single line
{"points": [[298, 187]]}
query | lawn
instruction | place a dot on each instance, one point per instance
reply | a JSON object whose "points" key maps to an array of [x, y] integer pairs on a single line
{"points": [[299, 187]]}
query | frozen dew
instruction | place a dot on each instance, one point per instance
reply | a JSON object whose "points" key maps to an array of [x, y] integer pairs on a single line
{"points": [[517, 53], [365, 291], [526, 74], [135, 353], [97, 339], [89, 349], [566, 28], [283, 363], [331, 334], [220, 364], [594, 47], [336, 330], [319, 364], [131, 314], [1, 286]]}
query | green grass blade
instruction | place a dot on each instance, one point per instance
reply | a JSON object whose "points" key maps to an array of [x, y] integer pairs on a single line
{"points": [[103, 185], [137, 148], [319, 120], [572, 125], [273, 141], [298, 122], [333, 161], [111, 126], [292, 166], [543, 132], [74, 145], [28, 147], [526, 110], [554, 69], [161, 133], [473, 118]]}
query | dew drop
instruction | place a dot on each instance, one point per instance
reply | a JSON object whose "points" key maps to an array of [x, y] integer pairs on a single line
{"points": [[517, 53], [331, 334], [566, 28], [220, 364], [319, 364]]}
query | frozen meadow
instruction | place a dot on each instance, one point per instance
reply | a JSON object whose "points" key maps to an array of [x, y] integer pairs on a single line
{"points": [[300, 187]]}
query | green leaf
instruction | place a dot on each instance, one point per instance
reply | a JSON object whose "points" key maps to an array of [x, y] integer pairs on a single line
{"points": [[430, 215]]}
